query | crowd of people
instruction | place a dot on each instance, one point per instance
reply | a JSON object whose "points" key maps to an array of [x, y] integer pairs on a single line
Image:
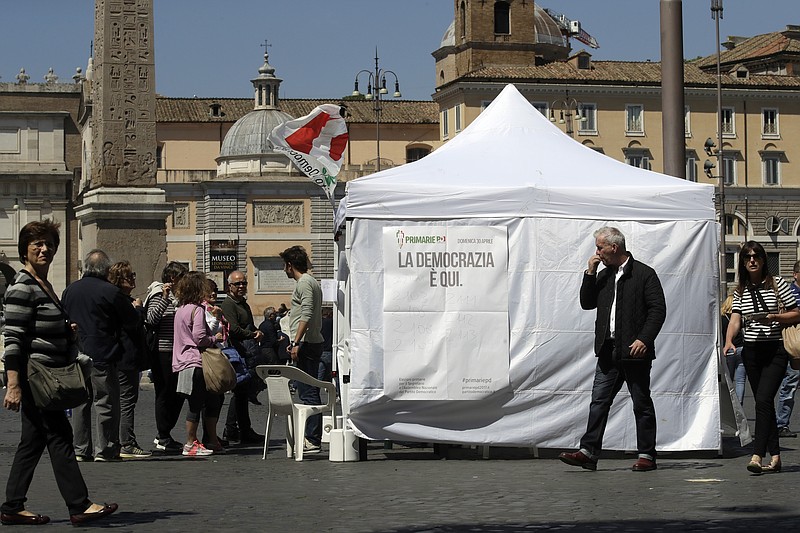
{"points": [[115, 337]]}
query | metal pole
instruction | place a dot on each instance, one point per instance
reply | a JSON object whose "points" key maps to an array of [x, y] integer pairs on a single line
{"points": [[672, 100], [377, 97], [716, 13]]}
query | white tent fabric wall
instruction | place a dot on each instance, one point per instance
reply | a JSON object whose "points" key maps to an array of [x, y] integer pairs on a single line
{"points": [[499, 172], [550, 352]]}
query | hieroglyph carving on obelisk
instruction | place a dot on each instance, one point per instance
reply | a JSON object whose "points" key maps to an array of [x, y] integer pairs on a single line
{"points": [[123, 94]]}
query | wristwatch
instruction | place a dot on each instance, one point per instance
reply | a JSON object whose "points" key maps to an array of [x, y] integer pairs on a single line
{"points": [[292, 344]]}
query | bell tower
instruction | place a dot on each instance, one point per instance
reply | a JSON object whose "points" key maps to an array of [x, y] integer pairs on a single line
{"points": [[486, 33]]}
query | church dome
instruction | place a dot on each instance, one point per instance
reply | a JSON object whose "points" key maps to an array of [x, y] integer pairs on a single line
{"points": [[246, 149], [449, 37], [250, 134], [547, 29]]}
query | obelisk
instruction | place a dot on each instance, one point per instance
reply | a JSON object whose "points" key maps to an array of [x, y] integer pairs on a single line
{"points": [[123, 211]]}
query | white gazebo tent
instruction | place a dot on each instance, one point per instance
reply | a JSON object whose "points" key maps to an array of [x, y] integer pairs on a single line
{"points": [[497, 349]]}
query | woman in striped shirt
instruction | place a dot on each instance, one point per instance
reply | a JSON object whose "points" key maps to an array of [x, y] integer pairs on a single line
{"points": [[37, 328], [762, 305]]}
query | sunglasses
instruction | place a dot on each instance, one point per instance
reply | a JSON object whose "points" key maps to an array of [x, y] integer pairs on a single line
{"points": [[239, 283]]}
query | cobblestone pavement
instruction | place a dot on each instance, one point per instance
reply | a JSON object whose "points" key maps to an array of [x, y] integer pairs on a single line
{"points": [[408, 489]]}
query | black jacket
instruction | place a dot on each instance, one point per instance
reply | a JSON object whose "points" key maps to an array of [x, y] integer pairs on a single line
{"points": [[101, 312], [641, 307]]}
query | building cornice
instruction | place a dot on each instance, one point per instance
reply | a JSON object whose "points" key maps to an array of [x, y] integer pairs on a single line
{"points": [[593, 90]]}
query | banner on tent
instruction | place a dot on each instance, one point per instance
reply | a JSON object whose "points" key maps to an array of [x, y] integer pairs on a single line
{"points": [[445, 318]]}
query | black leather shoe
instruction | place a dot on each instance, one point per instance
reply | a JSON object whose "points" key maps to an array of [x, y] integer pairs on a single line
{"points": [[14, 519], [644, 465], [83, 518], [578, 459], [231, 435], [251, 437]]}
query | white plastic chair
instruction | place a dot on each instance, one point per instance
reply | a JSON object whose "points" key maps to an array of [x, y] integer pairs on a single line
{"points": [[277, 378]]}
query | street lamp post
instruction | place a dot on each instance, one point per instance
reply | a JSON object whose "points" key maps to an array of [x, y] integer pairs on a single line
{"points": [[376, 88], [716, 14], [566, 108]]}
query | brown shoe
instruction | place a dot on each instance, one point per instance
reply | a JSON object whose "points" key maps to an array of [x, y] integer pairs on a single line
{"points": [[644, 465], [578, 459], [16, 519], [82, 518]]}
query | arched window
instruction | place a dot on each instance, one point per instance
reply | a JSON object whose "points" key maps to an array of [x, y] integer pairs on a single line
{"points": [[502, 23], [462, 19]]}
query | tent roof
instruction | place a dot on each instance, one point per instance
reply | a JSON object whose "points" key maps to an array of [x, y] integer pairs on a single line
{"points": [[512, 162]]}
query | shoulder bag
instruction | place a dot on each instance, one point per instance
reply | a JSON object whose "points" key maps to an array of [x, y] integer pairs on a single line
{"points": [[218, 372], [791, 338], [56, 388]]}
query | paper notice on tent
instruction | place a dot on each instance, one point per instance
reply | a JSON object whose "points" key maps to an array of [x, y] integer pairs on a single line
{"points": [[445, 312]]}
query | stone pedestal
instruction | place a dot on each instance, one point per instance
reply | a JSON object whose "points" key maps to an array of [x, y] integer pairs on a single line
{"points": [[128, 223]]}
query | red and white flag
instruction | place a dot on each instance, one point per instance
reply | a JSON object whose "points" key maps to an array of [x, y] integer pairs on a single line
{"points": [[315, 143]]}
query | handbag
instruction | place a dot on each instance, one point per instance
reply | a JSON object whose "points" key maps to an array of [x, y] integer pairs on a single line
{"points": [[791, 341], [219, 375], [217, 370], [56, 388]]}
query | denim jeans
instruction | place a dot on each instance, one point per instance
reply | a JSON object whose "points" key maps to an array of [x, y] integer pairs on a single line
{"points": [[325, 365], [737, 372], [786, 396], [608, 379], [308, 356]]}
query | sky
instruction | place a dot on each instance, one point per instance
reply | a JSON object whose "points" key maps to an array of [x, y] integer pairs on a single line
{"points": [[211, 48]]}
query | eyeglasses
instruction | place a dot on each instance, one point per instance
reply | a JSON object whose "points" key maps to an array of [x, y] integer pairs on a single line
{"points": [[42, 244], [239, 283], [132, 277]]}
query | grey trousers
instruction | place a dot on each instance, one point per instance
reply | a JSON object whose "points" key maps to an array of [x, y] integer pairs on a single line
{"points": [[104, 390], [128, 396]]}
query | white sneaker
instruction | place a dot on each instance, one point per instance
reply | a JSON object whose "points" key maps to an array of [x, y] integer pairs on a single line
{"points": [[309, 447], [196, 449]]}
